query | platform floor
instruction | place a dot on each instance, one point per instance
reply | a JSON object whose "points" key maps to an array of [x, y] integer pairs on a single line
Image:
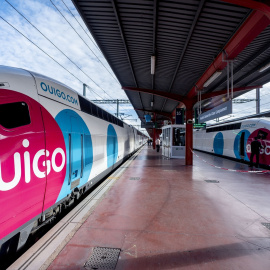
{"points": [[172, 219]]}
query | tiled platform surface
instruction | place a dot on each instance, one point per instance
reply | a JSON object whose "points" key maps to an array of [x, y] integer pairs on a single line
{"points": [[172, 219]]}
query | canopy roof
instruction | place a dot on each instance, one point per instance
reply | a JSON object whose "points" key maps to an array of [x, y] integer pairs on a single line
{"points": [[190, 39]]}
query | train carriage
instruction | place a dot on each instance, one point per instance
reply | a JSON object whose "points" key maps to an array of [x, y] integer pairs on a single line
{"points": [[234, 139], [54, 145]]}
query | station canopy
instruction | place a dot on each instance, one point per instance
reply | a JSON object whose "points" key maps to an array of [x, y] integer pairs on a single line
{"points": [[189, 42]]}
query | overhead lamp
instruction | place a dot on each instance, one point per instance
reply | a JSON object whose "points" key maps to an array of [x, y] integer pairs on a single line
{"points": [[153, 64], [264, 67], [212, 78]]}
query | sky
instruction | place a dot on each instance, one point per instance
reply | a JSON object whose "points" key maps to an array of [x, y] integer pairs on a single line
{"points": [[52, 39]]}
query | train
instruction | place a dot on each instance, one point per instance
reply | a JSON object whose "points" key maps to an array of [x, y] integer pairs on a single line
{"points": [[55, 145], [233, 139]]}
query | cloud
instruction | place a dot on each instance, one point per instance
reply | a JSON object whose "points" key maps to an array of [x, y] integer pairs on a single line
{"points": [[19, 52]]}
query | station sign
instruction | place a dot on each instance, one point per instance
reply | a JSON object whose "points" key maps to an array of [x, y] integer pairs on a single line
{"points": [[202, 125], [147, 125], [219, 111], [179, 116]]}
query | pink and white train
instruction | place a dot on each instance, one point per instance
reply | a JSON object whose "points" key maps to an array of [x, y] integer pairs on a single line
{"points": [[54, 145]]}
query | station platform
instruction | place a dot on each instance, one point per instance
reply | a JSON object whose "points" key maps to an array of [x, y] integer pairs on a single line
{"points": [[161, 214]]}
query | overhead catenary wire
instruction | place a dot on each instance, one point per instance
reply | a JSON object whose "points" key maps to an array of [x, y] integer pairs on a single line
{"points": [[46, 53], [81, 37], [57, 48], [127, 110], [83, 40], [81, 26], [249, 107]]}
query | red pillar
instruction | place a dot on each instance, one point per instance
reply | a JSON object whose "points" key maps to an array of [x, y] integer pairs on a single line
{"points": [[189, 134]]}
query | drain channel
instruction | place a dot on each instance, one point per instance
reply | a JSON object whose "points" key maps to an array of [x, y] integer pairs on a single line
{"points": [[103, 259], [211, 181], [135, 178]]}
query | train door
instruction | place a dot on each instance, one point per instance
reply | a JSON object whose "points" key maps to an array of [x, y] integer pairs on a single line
{"points": [[76, 153], [242, 145], [22, 161], [136, 142]]}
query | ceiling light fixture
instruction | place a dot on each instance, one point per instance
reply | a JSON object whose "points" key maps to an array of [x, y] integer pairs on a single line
{"points": [[264, 67], [153, 64], [212, 78]]}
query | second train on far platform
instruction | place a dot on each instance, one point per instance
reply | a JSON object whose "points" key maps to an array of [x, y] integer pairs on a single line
{"points": [[234, 139]]}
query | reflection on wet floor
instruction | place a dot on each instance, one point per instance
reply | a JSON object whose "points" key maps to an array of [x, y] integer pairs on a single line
{"points": [[173, 219]]}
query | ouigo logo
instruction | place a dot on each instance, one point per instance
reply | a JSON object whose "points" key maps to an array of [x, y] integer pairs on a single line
{"points": [[47, 88], [47, 159]]}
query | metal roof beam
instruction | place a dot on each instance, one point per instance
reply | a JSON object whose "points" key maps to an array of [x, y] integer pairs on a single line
{"points": [[185, 100], [243, 65], [185, 47], [154, 39], [255, 5], [223, 92], [261, 75], [168, 95], [187, 41], [125, 44], [249, 30], [123, 39]]}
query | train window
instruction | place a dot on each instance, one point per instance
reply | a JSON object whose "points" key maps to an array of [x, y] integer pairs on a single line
{"points": [[100, 114], [13, 115], [85, 105], [87, 150], [94, 110], [105, 116], [225, 127], [112, 119], [109, 118]]}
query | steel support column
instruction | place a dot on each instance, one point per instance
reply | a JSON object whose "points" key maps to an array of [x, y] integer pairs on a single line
{"points": [[189, 134], [258, 106]]}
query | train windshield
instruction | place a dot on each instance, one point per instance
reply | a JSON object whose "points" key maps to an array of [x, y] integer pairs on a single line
{"points": [[13, 115]]}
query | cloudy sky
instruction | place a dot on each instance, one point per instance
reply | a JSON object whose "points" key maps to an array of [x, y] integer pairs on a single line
{"points": [[49, 37], [44, 36]]}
